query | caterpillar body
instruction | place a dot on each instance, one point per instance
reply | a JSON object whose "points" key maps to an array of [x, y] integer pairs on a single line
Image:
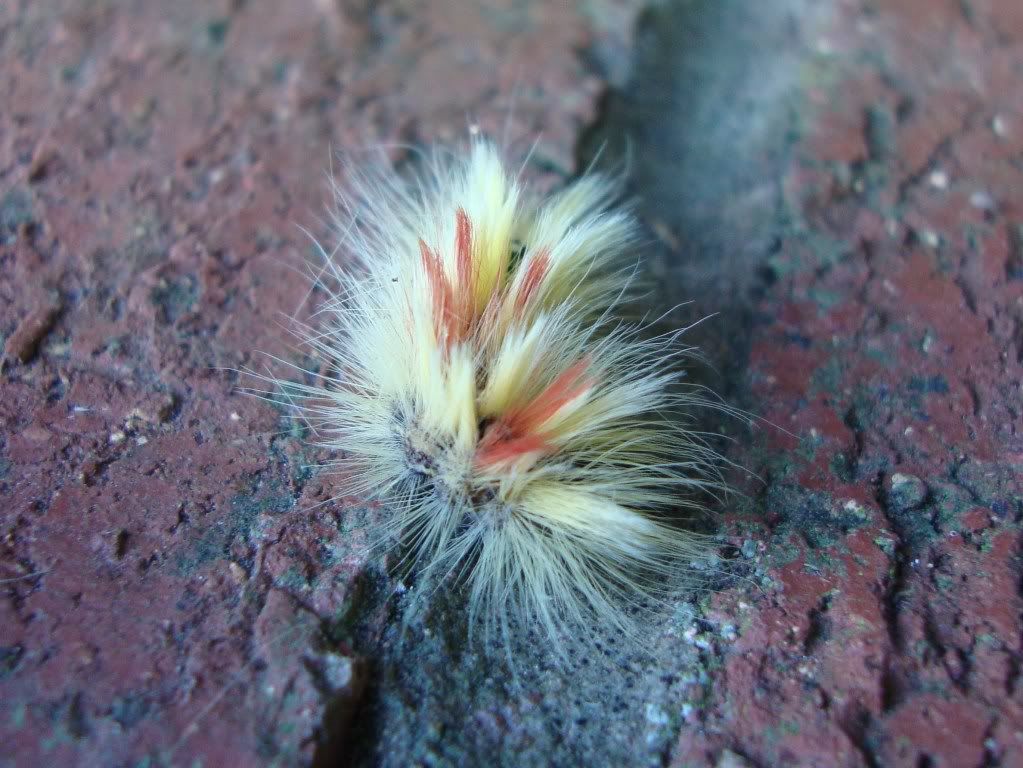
{"points": [[527, 443]]}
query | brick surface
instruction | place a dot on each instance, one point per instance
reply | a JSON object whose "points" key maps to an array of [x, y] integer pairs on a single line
{"points": [[841, 181]]}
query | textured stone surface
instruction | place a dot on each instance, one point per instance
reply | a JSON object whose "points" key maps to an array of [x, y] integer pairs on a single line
{"points": [[173, 590], [841, 181]]}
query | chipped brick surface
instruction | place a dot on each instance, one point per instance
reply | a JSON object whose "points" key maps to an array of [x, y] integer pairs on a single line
{"points": [[174, 589], [842, 181], [887, 344]]}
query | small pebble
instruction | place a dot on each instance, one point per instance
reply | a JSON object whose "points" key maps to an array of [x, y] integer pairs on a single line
{"points": [[982, 201], [999, 126], [938, 179]]}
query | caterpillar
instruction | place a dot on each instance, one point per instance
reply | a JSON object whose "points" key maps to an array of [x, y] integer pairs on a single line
{"points": [[530, 445]]}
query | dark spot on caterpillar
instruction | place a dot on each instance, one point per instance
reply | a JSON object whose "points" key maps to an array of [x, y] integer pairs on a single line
{"points": [[517, 254], [419, 462], [420, 448], [482, 507], [483, 496]]}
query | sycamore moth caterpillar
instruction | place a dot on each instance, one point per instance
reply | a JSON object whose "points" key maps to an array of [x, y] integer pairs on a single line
{"points": [[527, 442]]}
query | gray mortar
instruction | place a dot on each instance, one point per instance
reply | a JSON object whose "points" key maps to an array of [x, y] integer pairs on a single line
{"points": [[706, 127], [706, 121]]}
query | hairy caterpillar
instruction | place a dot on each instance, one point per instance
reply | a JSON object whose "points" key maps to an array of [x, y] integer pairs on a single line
{"points": [[527, 442]]}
